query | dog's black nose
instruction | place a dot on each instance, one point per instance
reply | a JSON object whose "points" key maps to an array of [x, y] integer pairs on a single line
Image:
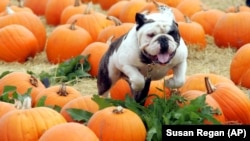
{"points": [[163, 41]]}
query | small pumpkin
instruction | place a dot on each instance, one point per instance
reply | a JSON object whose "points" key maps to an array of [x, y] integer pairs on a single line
{"points": [[189, 7], [66, 42], [57, 95], [37, 6], [115, 9], [95, 51], [83, 102], [69, 132], [26, 123], [118, 121], [105, 5], [240, 66], [22, 81]]}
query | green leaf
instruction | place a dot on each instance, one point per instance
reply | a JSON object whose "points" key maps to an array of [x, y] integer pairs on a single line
{"points": [[79, 114], [5, 73], [41, 101], [102, 102], [151, 133]]}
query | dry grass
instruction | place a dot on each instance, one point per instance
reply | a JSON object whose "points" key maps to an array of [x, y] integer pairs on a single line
{"points": [[210, 60]]}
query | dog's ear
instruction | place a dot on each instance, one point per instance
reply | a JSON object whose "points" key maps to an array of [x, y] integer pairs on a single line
{"points": [[140, 20]]}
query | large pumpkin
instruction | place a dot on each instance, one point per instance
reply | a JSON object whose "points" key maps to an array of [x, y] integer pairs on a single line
{"points": [[26, 124], [229, 24], [69, 132], [22, 81], [57, 95], [18, 44], [65, 42], [240, 67], [84, 102], [124, 125]]}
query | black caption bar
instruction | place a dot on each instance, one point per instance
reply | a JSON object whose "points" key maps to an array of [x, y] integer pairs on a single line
{"points": [[207, 132]]}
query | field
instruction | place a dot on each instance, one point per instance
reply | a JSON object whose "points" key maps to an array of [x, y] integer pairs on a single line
{"points": [[210, 60]]}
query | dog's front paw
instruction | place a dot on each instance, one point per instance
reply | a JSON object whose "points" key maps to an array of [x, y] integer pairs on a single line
{"points": [[137, 83], [174, 83]]}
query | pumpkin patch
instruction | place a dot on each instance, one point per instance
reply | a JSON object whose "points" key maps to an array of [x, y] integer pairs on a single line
{"points": [[49, 58]]}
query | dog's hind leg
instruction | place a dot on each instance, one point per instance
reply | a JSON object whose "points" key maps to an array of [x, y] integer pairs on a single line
{"points": [[140, 96]]}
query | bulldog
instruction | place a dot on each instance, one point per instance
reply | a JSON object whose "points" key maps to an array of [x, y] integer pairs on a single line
{"points": [[147, 52]]}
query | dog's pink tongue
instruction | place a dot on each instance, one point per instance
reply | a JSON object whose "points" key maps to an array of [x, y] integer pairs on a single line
{"points": [[163, 58]]}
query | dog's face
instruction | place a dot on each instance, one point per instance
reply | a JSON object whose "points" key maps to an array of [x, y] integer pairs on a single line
{"points": [[158, 37]]}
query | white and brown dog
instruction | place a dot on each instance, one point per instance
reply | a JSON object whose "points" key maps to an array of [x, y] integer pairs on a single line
{"points": [[154, 41]]}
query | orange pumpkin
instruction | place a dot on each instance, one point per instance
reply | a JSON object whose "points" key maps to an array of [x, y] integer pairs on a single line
{"points": [[238, 8], [30, 21], [189, 7], [235, 104], [105, 5], [18, 44], [238, 30], [28, 123], [57, 95], [65, 42], [127, 13], [219, 116], [18, 8], [37, 6], [5, 108], [240, 66], [69, 132], [93, 22], [3, 5], [192, 33], [114, 31], [207, 19], [115, 9], [54, 10], [84, 102], [124, 125], [22, 81], [95, 51], [196, 81]]}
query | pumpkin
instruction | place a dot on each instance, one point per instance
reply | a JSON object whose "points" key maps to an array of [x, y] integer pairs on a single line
{"points": [[235, 104], [219, 116], [115, 9], [20, 7], [83, 102], [240, 66], [238, 8], [207, 19], [77, 8], [57, 95], [189, 7], [197, 38], [95, 51], [28, 20], [65, 42], [171, 3], [127, 13], [196, 81], [54, 10], [6, 107], [28, 123], [238, 30], [37, 6], [105, 5], [3, 5], [114, 31], [69, 132], [22, 81], [124, 124], [93, 22], [18, 44]]}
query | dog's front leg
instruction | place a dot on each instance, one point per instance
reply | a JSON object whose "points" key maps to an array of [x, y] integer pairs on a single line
{"points": [[179, 76]]}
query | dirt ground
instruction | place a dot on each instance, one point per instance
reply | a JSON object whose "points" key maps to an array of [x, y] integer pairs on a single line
{"points": [[210, 60]]}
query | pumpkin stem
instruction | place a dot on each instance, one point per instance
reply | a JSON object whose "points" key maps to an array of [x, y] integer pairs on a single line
{"points": [[187, 19], [33, 81], [88, 8], [77, 3], [118, 110], [9, 11], [25, 104], [62, 91], [109, 41], [20, 3], [115, 20], [73, 25], [210, 88]]}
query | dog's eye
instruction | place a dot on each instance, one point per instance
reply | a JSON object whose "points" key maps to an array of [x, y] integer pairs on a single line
{"points": [[151, 35], [172, 33]]}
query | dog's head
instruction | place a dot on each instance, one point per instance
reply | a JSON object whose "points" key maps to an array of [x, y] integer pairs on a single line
{"points": [[157, 35]]}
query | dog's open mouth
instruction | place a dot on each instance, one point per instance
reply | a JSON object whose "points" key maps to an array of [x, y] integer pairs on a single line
{"points": [[161, 58]]}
